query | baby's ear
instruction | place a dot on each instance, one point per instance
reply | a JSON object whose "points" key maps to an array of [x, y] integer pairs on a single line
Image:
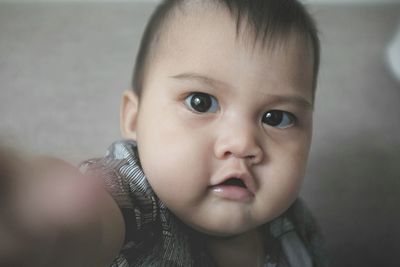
{"points": [[128, 114]]}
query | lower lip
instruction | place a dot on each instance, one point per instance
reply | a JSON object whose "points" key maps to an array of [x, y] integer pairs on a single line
{"points": [[232, 192]]}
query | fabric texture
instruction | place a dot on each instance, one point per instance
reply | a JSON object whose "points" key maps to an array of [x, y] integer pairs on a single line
{"points": [[155, 237]]}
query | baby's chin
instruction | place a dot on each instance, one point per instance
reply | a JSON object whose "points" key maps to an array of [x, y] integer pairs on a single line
{"points": [[223, 230]]}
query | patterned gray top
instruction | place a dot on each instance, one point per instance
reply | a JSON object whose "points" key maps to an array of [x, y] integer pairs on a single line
{"points": [[155, 237]]}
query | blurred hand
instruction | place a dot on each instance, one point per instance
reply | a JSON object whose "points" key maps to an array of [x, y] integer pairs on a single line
{"points": [[39, 198]]}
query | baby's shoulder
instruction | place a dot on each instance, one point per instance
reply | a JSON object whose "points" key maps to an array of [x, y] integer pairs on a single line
{"points": [[308, 230]]}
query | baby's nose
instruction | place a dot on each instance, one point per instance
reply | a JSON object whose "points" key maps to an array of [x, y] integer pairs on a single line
{"points": [[240, 141]]}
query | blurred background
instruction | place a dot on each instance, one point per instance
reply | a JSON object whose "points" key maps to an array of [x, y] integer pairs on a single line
{"points": [[64, 65]]}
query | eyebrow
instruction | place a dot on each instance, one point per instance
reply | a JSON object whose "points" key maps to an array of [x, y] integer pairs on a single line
{"points": [[200, 78], [294, 99]]}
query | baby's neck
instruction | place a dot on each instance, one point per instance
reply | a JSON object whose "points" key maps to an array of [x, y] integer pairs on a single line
{"points": [[246, 249]]}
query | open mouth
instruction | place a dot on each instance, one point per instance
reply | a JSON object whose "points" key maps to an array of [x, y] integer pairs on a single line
{"points": [[234, 189], [235, 182]]}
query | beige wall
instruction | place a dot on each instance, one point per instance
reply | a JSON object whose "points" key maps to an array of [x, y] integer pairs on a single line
{"points": [[64, 66]]}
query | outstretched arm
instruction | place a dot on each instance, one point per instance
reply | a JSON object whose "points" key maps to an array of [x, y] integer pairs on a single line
{"points": [[52, 215]]}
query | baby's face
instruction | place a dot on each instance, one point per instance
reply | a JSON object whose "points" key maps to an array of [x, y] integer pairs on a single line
{"points": [[224, 128]]}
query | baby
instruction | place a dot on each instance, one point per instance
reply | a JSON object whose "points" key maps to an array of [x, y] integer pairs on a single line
{"points": [[218, 129]]}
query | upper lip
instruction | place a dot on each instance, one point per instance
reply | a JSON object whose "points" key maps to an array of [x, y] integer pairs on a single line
{"points": [[245, 176]]}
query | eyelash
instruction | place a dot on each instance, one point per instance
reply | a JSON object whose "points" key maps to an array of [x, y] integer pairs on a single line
{"points": [[196, 98], [207, 103], [283, 117]]}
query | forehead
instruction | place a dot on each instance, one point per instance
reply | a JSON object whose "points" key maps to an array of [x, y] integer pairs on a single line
{"points": [[205, 38]]}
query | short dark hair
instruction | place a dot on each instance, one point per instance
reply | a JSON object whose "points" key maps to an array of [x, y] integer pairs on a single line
{"points": [[268, 18]]}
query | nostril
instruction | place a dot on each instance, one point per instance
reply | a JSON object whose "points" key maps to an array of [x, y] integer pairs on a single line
{"points": [[227, 154], [255, 157], [244, 148]]}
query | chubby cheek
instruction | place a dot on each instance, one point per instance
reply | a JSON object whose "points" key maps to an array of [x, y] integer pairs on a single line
{"points": [[177, 183], [173, 163], [282, 177]]}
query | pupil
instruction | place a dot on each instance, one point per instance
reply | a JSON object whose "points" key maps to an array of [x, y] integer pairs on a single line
{"points": [[201, 102], [273, 118]]}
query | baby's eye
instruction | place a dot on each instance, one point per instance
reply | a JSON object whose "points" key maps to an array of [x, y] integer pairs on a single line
{"points": [[278, 118], [202, 102]]}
